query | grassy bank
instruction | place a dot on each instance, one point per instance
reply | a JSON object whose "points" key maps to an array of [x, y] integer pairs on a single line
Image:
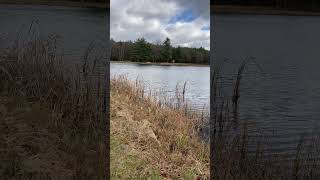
{"points": [[259, 10], [52, 121], [64, 3], [150, 140]]}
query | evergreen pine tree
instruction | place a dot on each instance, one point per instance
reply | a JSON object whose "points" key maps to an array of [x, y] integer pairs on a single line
{"points": [[166, 52], [142, 50]]}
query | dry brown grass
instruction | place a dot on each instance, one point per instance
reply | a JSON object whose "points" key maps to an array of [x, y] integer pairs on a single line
{"points": [[230, 157], [52, 123], [151, 140]]}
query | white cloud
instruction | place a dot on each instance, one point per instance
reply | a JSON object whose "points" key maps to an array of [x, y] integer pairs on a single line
{"points": [[132, 19]]}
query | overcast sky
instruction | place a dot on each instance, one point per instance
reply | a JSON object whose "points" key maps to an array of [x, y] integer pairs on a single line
{"points": [[185, 22]]}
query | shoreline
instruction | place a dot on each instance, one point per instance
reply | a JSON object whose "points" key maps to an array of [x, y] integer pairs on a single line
{"points": [[159, 64], [142, 131], [64, 3], [258, 10]]}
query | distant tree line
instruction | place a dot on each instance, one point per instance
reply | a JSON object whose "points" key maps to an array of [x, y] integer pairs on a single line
{"points": [[143, 51], [287, 4]]}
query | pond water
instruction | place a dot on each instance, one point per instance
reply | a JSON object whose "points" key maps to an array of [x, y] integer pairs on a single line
{"points": [[166, 78], [76, 27], [281, 95]]}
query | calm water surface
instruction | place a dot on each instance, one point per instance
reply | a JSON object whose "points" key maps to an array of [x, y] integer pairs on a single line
{"points": [[76, 27], [282, 99], [167, 77]]}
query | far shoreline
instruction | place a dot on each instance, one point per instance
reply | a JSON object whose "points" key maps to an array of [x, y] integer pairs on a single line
{"points": [[258, 10], [160, 64], [63, 3]]}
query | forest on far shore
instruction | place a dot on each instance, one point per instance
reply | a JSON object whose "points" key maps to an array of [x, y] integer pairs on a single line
{"points": [[143, 51]]}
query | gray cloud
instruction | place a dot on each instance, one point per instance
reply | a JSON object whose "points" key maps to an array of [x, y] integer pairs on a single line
{"points": [[131, 19], [199, 7]]}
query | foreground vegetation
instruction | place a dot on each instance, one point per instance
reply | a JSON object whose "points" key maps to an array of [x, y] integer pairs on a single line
{"points": [[51, 119], [230, 151], [151, 140]]}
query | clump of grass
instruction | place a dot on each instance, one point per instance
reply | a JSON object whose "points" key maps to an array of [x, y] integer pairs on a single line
{"points": [[229, 150], [52, 122], [161, 136]]}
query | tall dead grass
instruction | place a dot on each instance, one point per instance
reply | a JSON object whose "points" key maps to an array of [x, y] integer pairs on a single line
{"points": [[156, 133], [230, 157], [52, 116]]}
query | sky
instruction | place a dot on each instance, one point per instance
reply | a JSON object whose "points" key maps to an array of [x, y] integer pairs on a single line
{"points": [[185, 22]]}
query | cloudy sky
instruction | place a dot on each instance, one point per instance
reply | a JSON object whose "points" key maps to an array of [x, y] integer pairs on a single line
{"points": [[185, 22]]}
